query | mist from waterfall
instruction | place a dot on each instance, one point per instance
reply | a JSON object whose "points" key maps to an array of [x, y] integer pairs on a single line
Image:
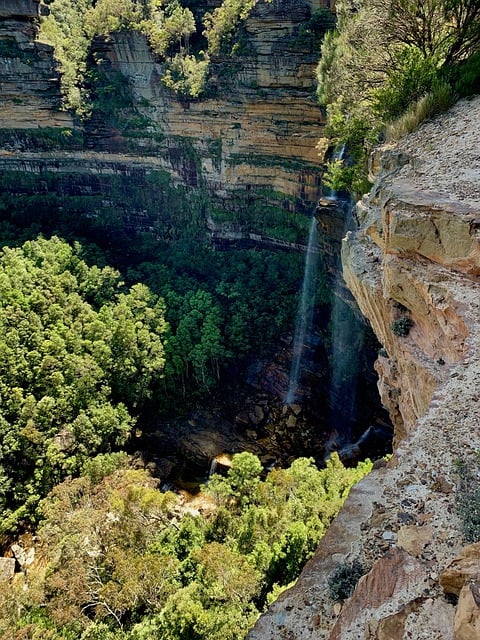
{"points": [[304, 319], [346, 334]]}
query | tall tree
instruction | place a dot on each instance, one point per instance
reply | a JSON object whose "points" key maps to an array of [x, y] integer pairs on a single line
{"points": [[371, 34]]}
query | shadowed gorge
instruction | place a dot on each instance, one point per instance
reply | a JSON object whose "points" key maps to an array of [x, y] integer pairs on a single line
{"points": [[407, 524], [161, 181]]}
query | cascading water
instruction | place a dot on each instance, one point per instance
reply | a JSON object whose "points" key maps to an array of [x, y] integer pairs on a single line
{"points": [[346, 338], [213, 467], [303, 323]]}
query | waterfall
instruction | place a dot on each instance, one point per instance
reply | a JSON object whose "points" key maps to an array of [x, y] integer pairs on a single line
{"points": [[303, 323], [213, 467], [346, 337]]}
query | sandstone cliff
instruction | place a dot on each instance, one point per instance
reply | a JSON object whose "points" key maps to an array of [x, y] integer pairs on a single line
{"points": [[415, 256], [28, 79], [415, 260], [248, 145]]}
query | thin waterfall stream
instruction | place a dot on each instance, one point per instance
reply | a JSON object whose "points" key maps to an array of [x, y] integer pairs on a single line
{"points": [[347, 344], [303, 323]]}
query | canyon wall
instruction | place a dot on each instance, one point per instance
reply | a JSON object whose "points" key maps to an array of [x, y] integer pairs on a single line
{"points": [[413, 266], [28, 79], [248, 146]]}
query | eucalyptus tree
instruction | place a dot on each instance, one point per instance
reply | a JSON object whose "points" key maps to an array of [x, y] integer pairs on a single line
{"points": [[386, 56], [80, 355]]}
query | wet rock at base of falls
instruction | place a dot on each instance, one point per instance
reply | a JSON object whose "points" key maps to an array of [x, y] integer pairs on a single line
{"points": [[242, 419], [291, 422]]}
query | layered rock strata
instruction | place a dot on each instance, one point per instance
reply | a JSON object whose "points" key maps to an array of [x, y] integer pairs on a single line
{"points": [[415, 257], [257, 128], [251, 142], [29, 80]]}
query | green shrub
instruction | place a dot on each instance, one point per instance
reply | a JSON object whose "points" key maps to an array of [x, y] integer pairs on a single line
{"points": [[312, 32], [440, 99], [343, 580], [465, 78], [411, 77], [337, 176], [402, 326], [222, 23], [468, 503], [468, 508], [186, 75], [380, 67]]}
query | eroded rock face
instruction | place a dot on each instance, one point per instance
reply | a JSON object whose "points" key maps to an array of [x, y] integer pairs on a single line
{"points": [[429, 381], [467, 617], [259, 128], [19, 8], [419, 236], [394, 574], [249, 146], [257, 131], [28, 75], [462, 570]]}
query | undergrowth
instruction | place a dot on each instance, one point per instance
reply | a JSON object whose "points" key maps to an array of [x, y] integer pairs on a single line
{"points": [[344, 579], [437, 101], [468, 501]]}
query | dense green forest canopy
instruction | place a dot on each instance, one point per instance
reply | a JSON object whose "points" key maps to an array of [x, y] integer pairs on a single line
{"points": [[80, 355], [223, 305], [121, 560], [83, 354]]}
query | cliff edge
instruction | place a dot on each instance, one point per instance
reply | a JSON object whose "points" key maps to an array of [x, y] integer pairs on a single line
{"points": [[413, 266]]}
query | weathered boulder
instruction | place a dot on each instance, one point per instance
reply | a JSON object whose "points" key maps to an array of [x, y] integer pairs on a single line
{"points": [[25, 557], [462, 570], [414, 539], [394, 580], [467, 615]]}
